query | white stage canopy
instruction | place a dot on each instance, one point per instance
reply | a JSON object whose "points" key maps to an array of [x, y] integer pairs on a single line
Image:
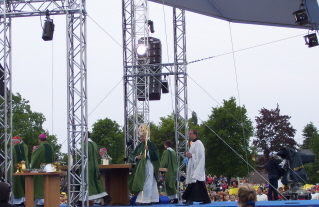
{"points": [[260, 12]]}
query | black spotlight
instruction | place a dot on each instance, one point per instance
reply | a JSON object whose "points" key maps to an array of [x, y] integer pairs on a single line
{"points": [[151, 25], [311, 40], [48, 28], [165, 85], [301, 17]]}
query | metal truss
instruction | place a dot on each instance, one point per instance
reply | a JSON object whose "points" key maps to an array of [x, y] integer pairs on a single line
{"points": [[77, 83], [135, 70], [181, 107], [5, 99], [77, 104]]}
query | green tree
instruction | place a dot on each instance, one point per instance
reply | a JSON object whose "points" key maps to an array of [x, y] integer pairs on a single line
{"points": [[308, 132], [311, 141], [193, 121], [28, 124], [273, 132], [228, 129], [165, 130], [107, 133]]}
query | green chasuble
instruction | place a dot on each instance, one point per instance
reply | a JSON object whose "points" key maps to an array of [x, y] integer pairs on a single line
{"points": [[95, 182], [169, 161], [27, 163], [136, 179], [42, 155], [19, 153]]}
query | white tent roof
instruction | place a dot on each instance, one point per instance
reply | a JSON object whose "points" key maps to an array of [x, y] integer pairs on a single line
{"points": [[261, 12]]}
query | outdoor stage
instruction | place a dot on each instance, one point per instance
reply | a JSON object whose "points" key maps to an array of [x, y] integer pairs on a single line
{"points": [[295, 203]]}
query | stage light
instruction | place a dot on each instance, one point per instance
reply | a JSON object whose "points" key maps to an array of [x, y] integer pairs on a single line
{"points": [[165, 85], [141, 50], [151, 24], [301, 17], [48, 28], [311, 40]]}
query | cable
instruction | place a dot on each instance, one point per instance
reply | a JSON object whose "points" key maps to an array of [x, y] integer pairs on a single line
{"points": [[100, 103], [105, 97], [169, 81], [105, 31], [237, 84], [52, 79], [247, 48], [165, 29], [213, 98], [52, 86]]}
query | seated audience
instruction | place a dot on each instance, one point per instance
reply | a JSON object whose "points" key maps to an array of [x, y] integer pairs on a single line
{"points": [[260, 195]]}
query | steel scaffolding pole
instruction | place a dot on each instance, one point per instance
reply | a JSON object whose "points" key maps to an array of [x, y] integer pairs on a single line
{"points": [[181, 107], [135, 79], [6, 167], [77, 104], [77, 83]]}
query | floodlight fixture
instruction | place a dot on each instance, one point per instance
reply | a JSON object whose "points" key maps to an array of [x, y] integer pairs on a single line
{"points": [[141, 50], [48, 28], [311, 40], [301, 17]]}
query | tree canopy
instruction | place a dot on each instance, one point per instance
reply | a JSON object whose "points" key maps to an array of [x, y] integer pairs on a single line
{"points": [[108, 134], [311, 141], [28, 124], [308, 133], [226, 137], [273, 132], [165, 130]]}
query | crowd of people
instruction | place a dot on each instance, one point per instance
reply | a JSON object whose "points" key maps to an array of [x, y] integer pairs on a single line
{"points": [[219, 191]]}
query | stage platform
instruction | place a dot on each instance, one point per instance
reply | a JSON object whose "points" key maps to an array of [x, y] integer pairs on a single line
{"points": [[294, 203]]}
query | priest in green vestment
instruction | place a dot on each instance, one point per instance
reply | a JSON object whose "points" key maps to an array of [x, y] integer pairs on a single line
{"points": [[143, 180], [96, 188], [43, 155], [169, 161], [19, 153]]}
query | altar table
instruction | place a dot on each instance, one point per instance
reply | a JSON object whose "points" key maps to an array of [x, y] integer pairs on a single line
{"points": [[51, 188]]}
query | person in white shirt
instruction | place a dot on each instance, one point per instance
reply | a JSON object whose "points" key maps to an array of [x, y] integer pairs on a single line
{"points": [[195, 176], [260, 195], [314, 194]]}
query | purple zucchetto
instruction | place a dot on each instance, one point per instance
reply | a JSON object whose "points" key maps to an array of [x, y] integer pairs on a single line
{"points": [[43, 136]]}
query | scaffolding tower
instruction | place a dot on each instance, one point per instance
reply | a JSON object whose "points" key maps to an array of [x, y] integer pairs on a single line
{"points": [[134, 14], [75, 12], [135, 79]]}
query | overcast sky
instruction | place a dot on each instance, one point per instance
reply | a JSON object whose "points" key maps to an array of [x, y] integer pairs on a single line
{"points": [[283, 72]]}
